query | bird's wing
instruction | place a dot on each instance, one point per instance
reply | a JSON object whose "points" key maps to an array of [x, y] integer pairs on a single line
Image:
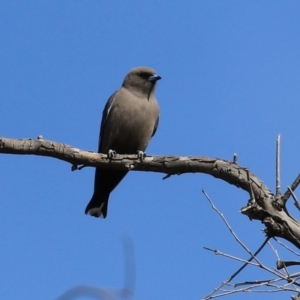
{"points": [[105, 115], [155, 126]]}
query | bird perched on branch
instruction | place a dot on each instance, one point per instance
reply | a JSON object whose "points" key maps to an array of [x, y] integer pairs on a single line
{"points": [[129, 120]]}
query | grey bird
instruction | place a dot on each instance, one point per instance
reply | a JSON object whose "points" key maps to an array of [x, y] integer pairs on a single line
{"points": [[129, 120]]}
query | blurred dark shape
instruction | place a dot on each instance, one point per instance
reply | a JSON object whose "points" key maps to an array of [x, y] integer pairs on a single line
{"points": [[109, 294], [95, 293]]}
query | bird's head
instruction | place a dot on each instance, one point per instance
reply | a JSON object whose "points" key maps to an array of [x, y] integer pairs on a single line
{"points": [[141, 80]]}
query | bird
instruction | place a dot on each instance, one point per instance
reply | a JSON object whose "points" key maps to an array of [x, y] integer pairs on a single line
{"points": [[129, 120]]}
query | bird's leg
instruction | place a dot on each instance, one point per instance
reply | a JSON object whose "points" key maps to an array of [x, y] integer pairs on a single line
{"points": [[141, 155], [111, 154]]}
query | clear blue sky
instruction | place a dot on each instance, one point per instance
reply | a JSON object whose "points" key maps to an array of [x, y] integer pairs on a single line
{"points": [[230, 83]]}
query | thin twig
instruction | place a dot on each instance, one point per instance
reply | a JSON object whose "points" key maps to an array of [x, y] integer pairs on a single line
{"points": [[297, 203], [218, 292], [274, 272], [229, 227], [259, 284], [256, 282], [235, 158], [247, 262], [278, 190], [274, 250], [276, 289], [285, 246], [282, 265], [278, 259], [250, 259], [293, 187]]}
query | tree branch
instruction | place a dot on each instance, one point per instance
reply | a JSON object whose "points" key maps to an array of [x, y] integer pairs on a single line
{"points": [[277, 220]]}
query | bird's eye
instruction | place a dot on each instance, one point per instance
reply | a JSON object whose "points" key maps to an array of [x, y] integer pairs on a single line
{"points": [[145, 75]]}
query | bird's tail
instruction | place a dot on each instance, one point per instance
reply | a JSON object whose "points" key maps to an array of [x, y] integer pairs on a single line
{"points": [[105, 182], [97, 206]]}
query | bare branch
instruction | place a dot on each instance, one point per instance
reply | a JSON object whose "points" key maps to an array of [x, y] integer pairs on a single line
{"points": [[235, 158], [250, 259], [272, 285], [293, 187], [282, 264], [286, 247], [262, 207], [233, 233], [278, 190], [296, 202], [217, 252], [170, 165]]}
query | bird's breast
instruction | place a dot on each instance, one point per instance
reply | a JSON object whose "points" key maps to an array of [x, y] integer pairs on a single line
{"points": [[130, 125]]}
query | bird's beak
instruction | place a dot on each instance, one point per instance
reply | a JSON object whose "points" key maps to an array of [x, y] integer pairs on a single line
{"points": [[154, 78]]}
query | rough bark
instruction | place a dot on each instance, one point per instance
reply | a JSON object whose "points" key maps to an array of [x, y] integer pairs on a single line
{"points": [[262, 205]]}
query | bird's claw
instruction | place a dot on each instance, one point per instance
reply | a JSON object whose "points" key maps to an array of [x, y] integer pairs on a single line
{"points": [[141, 155], [111, 154]]}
